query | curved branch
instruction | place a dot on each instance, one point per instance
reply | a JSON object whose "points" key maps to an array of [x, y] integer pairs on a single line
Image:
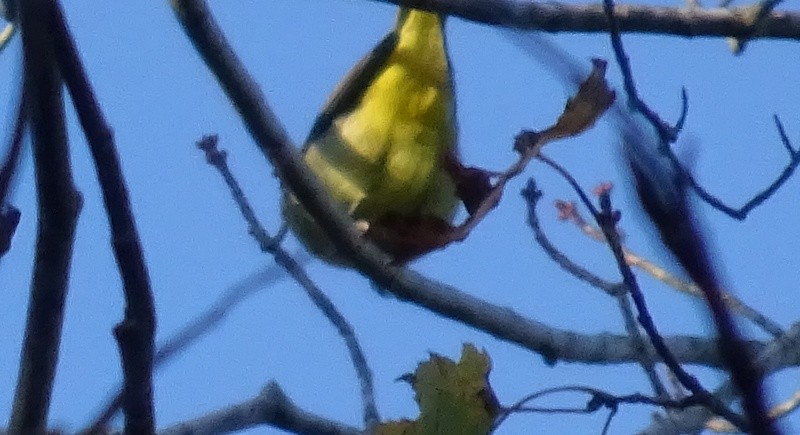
{"points": [[136, 333], [218, 159], [59, 206]]}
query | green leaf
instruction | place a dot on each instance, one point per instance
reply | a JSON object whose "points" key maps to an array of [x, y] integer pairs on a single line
{"points": [[454, 398]]}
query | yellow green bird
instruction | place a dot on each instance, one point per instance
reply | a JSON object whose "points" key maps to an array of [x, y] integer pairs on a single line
{"points": [[385, 142]]}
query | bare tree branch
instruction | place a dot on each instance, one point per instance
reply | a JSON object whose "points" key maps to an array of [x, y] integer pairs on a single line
{"points": [[569, 212], [532, 195], [271, 407], [607, 219], [598, 399], [218, 159], [136, 332], [742, 212], [590, 18], [59, 206], [194, 330], [646, 359]]}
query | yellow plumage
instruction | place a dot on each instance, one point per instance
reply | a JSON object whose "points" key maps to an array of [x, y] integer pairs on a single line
{"points": [[380, 142]]}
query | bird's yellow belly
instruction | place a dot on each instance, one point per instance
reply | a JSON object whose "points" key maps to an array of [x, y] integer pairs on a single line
{"points": [[386, 156]]}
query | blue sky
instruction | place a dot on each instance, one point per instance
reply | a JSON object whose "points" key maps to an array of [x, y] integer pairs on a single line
{"points": [[160, 99]]}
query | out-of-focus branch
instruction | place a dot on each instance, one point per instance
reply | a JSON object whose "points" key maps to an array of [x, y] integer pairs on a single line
{"points": [[271, 407], [590, 18], [136, 333], [59, 205], [11, 161], [779, 350], [9, 219], [608, 226], [8, 10], [565, 68], [663, 194], [6, 35], [719, 425]]}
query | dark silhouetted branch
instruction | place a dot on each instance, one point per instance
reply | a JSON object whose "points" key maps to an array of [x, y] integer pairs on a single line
{"points": [[135, 334], [59, 206], [664, 197]]}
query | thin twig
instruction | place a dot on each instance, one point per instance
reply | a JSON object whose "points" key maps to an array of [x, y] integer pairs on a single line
{"points": [[194, 330], [646, 357], [742, 212], [532, 196], [598, 399], [608, 225], [218, 160], [665, 131], [676, 226], [675, 221], [668, 134], [136, 332], [6, 35], [59, 206]]}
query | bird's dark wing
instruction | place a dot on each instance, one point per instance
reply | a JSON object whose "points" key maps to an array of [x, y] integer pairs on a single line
{"points": [[350, 90]]}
